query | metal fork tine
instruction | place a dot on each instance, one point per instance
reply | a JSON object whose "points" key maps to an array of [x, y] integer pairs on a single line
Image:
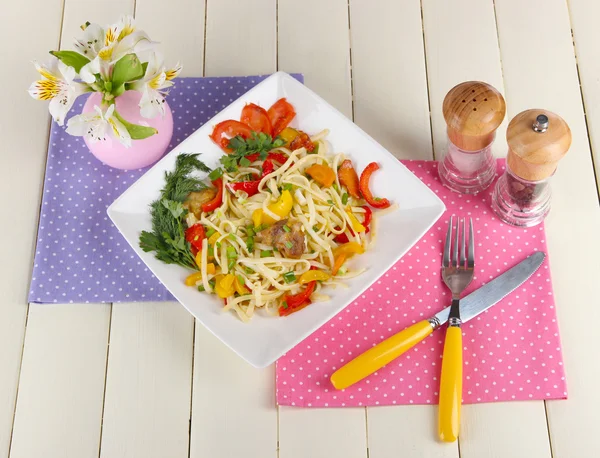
{"points": [[463, 257], [471, 254], [455, 247], [446, 257]]}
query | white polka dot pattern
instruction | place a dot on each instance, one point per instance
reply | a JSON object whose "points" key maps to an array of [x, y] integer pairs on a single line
{"points": [[511, 352], [80, 256]]}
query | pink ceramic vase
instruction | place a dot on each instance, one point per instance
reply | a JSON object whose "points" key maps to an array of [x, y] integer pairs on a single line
{"points": [[141, 153]]}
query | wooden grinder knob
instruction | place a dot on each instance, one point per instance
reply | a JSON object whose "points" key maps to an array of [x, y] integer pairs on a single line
{"points": [[473, 110], [537, 140]]}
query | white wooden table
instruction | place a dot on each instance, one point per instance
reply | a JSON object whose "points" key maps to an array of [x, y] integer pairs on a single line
{"points": [[143, 380]]}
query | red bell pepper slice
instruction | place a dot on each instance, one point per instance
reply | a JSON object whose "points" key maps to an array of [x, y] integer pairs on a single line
{"points": [[249, 187], [276, 157], [343, 238], [293, 303], [375, 202], [194, 235], [218, 200]]}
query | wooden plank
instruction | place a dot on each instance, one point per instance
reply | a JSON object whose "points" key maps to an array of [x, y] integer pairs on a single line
{"points": [[240, 37], [23, 151], [461, 45], [148, 381], [322, 433], [546, 76], [391, 103], [455, 54], [584, 24], [314, 40], [59, 410], [233, 407], [322, 53]]}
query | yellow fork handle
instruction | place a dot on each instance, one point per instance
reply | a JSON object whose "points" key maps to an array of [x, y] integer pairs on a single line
{"points": [[380, 355], [451, 385]]}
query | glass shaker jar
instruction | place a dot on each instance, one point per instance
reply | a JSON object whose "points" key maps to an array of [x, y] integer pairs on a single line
{"points": [[473, 110], [537, 140]]}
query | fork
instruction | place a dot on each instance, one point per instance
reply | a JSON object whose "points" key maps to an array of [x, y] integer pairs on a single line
{"points": [[457, 273]]}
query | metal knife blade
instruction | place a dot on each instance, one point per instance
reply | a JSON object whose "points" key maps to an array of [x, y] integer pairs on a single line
{"points": [[494, 291]]}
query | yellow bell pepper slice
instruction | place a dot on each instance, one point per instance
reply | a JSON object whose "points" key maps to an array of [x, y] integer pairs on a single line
{"points": [[340, 259], [192, 279], [224, 286], [356, 224], [288, 134], [349, 249], [213, 238], [239, 287], [313, 275], [281, 208]]}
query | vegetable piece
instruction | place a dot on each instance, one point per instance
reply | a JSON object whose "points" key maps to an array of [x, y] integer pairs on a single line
{"points": [[339, 260], [280, 158], [313, 275], [249, 187], [210, 268], [366, 192], [302, 140], [266, 253], [218, 200], [349, 178], [192, 279], [226, 130], [322, 174], [213, 238], [368, 217], [349, 249], [257, 146], [257, 118], [288, 134], [282, 207], [231, 257], [293, 303], [356, 226], [194, 201], [289, 277], [343, 238], [281, 114], [238, 285], [224, 285], [194, 235]]}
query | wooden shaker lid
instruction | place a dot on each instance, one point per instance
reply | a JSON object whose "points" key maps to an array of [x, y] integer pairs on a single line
{"points": [[537, 140], [473, 110]]}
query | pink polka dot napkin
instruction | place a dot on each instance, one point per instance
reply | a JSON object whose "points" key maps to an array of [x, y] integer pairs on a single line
{"points": [[512, 351]]}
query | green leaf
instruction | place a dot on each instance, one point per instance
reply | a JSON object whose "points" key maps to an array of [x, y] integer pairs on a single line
{"points": [[289, 277], [136, 131], [127, 68], [344, 198], [71, 58], [215, 174]]}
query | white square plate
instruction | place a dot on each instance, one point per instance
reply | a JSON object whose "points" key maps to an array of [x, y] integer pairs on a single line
{"points": [[265, 339]]}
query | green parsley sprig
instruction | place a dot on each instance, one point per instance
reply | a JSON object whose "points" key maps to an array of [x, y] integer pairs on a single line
{"points": [[259, 142]]}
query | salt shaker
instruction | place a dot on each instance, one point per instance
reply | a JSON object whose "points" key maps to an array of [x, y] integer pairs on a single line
{"points": [[473, 110], [537, 140]]}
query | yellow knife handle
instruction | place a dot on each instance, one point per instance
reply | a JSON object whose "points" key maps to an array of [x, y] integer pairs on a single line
{"points": [[380, 355], [451, 385]]}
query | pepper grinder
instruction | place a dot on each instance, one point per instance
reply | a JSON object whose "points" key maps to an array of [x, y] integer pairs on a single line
{"points": [[473, 110], [537, 140]]}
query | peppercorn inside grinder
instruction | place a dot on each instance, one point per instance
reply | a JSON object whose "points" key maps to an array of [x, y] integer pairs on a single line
{"points": [[537, 140], [473, 110]]}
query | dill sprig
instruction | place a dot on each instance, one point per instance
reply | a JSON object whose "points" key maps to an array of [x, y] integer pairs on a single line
{"points": [[167, 238]]}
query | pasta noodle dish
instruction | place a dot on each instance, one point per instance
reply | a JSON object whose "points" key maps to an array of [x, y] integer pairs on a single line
{"points": [[274, 224]]}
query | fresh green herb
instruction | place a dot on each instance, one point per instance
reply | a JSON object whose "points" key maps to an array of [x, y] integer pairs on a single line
{"points": [[216, 174], [210, 232], [232, 237], [288, 187], [248, 270], [286, 228], [330, 202], [266, 253], [377, 199], [315, 228], [316, 150], [244, 162], [212, 283], [218, 245], [167, 238], [250, 243], [201, 288], [241, 280], [258, 142], [336, 187], [344, 198], [289, 277], [289, 245], [257, 229], [231, 256], [284, 305], [250, 231], [211, 250]]}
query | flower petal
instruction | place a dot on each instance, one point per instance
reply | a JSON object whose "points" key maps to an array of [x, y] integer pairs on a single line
{"points": [[88, 71], [62, 103], [174, 72], [119, 132], [151, 103]]}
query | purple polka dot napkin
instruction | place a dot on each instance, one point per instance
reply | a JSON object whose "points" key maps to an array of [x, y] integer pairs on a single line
{"points": [[80, 256]]}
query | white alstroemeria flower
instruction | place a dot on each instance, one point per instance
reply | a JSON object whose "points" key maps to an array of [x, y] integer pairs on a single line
{"points": [[97, 125], [57, 86], [151, 85], [92, 41]]}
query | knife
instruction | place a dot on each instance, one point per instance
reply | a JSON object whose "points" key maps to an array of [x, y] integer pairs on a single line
{"points": [[471, 306]]}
